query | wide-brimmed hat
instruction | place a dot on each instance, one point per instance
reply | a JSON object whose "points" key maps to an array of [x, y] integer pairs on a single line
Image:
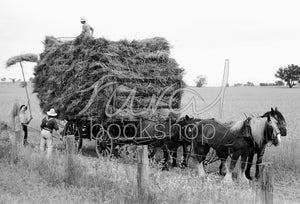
{"points": [[52, 112], [82, 18]]}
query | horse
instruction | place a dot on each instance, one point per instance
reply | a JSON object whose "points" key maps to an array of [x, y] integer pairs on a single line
{"points": [[176, 136], [237, 138], [181, 138], [259, 149]]}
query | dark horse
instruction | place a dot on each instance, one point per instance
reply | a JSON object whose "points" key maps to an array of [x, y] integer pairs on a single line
{"points": [[176, 135], [181, 137], [260, 149], [237, 138]]}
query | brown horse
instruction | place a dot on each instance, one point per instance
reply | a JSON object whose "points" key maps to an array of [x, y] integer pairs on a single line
{"points": [[259, 149], [232, 139]]}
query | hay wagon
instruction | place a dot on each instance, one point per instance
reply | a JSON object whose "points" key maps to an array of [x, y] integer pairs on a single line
{"points": [[101, 87], [125, 126]]}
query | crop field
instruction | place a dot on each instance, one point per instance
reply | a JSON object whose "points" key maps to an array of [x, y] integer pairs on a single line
{"points": [[113, 181]]}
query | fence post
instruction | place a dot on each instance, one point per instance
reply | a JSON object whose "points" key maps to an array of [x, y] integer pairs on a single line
{"points": [[15, 146], [142, 173], [70, 151], [264, 192], [15, 140]]}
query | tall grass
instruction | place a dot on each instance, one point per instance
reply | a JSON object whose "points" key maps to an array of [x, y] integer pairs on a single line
{"points": [[105, 181]]}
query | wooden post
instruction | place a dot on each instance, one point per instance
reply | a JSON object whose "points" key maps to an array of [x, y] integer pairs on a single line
{"points": [[15, 138], [69, 167], [142, 173], [264, 191], [70, 144]]}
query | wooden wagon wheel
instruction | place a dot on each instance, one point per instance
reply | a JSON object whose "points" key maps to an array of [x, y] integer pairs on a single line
{"points": [[104, 144], [72, 128]]}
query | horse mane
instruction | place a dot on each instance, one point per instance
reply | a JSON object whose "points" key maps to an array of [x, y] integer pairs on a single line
{"points": [[235, 126], [258, 126], [275, 112]]}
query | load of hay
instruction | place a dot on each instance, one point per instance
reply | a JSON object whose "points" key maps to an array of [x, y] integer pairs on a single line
{"points": [[73, 77]]}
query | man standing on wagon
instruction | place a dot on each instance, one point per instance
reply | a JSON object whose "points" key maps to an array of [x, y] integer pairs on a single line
{"points": [[86, 29], [48, 125]]}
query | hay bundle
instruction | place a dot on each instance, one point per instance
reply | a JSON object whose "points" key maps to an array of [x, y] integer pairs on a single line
{"points": [[70, 75], [21, 58]]}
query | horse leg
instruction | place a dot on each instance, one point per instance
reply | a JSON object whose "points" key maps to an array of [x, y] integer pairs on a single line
{"points": [[166, 157], [152, 151], [249, 164], [260, 155], [222, 167], [185, 155], [200, 152], [174, 157], [241, 173], [228, 176]]}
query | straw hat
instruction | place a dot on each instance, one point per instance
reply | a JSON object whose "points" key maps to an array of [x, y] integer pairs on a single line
{"points": [[52, 112], [82, 18]]}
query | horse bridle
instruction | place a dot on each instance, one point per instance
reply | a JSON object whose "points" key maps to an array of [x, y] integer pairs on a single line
{"points": [[275, 128]]}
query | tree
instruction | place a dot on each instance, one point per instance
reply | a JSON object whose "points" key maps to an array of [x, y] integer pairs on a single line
{"points": [[289, 74], [31, 79], [3, 79], [279, 83], [13, 80], [237, 84], [23, 84], [249, 84], [200, 81]]}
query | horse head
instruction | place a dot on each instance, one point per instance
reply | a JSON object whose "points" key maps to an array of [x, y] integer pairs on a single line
{"points": [[277, 115], [187, 124], [272, 131]]}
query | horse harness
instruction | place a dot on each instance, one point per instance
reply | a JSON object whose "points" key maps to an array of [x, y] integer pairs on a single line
{"points": [[245, 132]]}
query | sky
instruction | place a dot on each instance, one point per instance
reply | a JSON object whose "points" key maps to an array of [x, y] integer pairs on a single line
{"points": [[257, 36]]}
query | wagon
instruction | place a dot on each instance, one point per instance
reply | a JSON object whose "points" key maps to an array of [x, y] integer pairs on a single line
{"points": [[115, 130]]}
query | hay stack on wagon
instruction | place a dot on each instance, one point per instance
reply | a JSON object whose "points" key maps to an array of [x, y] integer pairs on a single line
{"points": [[70, 75]]}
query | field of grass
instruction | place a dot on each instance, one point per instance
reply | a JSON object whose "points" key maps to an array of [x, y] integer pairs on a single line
{"points": [[110, 181]]}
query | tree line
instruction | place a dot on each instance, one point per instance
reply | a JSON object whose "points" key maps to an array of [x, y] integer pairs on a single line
{"points": [[289, 74], [13, 80]]}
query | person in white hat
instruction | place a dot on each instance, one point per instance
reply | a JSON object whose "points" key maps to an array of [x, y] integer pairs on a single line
{"points": [[48, 125], [86, 29]]}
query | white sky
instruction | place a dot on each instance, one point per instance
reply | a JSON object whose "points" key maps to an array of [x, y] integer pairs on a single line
{"points": [[257, 36]]}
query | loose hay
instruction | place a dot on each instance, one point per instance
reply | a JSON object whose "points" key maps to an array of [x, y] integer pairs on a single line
{"points": [[69, 75], [21, 58]]}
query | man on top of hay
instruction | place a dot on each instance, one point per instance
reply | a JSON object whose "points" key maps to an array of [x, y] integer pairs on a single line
{"points": [[86, 29]]}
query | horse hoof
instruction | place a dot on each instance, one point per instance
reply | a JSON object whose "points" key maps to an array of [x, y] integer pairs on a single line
{"points": [[222, 173], [249, 178], [244, 180], [227, 179]]}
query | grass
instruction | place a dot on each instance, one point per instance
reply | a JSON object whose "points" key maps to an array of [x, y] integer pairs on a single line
{"points": [[34, 180]]}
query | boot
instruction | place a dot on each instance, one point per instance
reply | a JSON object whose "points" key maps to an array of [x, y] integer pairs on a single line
{"points": [[25, 142]]}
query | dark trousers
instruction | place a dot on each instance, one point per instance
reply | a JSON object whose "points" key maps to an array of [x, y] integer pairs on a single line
{"points": [[25, 132]]}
